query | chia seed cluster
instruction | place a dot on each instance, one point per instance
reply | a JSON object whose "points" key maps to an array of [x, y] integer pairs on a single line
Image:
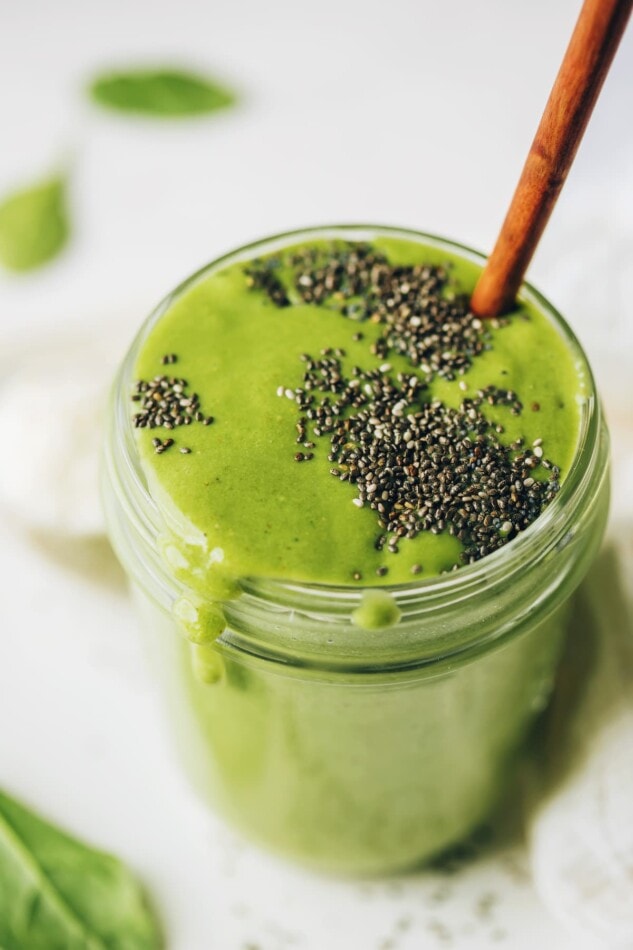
{"points": [[421, 465], [165, 403], [418, 463], [423, 319], [264, 278]]}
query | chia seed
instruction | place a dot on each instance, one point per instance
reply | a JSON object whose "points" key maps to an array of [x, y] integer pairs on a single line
{"points": [[261, 276]]}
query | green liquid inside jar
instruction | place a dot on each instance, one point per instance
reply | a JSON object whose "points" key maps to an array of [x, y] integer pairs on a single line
{"points": [[353, 729]]}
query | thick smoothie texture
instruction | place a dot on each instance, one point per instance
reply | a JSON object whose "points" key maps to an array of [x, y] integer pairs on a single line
{"points": [[239, 498], [362, 740]]}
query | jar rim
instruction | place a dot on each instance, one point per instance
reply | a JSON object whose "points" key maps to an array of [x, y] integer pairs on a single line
{"points": [[334, 601]]}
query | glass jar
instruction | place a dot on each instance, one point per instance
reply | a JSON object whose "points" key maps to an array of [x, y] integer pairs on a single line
{"points": [[353, 750]]}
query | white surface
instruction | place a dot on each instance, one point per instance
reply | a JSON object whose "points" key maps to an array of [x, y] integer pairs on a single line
{"points": [[51, 402], [581, 820], [412, 113]]}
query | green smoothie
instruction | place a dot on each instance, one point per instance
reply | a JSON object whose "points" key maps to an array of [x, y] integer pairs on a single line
{"points": [[248, 497], [353, 515]]}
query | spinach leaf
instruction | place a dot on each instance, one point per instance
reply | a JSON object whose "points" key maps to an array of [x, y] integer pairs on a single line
{"points": [[160, 92], [58, 894], [33, 225]]}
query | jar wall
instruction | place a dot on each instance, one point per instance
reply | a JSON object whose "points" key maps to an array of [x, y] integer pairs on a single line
{"points": [[349, 772]]}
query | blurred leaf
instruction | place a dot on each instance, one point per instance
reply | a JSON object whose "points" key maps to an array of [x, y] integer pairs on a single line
{"points": [[33, 225], [160, 92], [58, 894]]}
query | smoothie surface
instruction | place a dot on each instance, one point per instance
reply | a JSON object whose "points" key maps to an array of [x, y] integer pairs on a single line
{"points": [[237, 500]]}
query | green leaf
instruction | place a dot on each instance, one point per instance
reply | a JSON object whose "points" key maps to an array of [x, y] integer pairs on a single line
{"points": [[160, 92], [33, 225], [58, 894]]}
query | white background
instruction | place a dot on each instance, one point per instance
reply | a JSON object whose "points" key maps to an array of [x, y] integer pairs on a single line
{"points": [[401, 112]]}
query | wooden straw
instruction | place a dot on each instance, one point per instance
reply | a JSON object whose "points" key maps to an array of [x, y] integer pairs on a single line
{"points": [[591, 49]]}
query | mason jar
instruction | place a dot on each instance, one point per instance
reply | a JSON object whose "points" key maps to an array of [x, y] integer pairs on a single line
{"points": [[349, 749]]}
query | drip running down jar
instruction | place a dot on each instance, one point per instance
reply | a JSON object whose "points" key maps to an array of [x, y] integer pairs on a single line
{"points": [[360, 725]]}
